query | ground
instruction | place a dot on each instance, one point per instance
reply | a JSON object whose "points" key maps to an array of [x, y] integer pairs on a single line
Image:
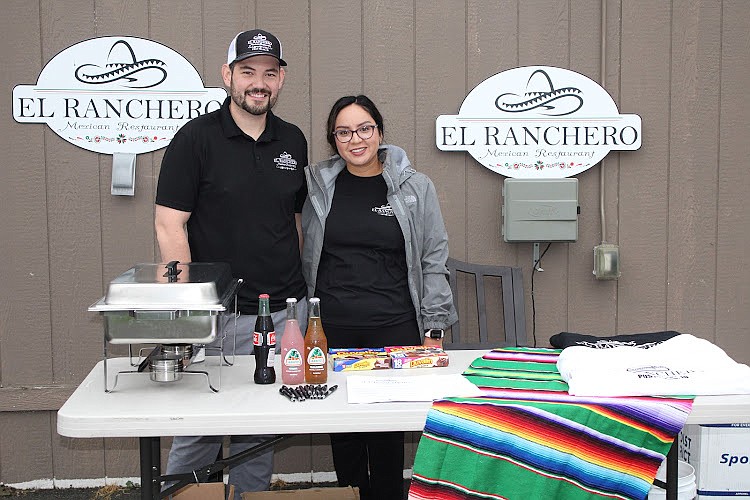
{"points": [[105, 493]]}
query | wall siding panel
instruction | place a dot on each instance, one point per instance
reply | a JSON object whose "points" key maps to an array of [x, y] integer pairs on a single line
{"points": [[440, 85], [644, 174], [336, 63], [126, 240], [26, 451], [676, 207], [492, 47], [695, 70], [218, 31], [25, 300], [545, 40], [592, 310], [74, 217], [732, 276], [389, 69], [290, 21]]}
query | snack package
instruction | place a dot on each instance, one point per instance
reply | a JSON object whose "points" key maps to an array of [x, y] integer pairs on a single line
{"points": [[349, 359], [416, 356]]}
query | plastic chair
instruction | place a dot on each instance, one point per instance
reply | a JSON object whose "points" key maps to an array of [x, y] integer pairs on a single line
{"points": [[514, 314]]}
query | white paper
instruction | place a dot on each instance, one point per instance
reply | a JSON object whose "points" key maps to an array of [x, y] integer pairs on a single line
{"points": [[365, 389]]}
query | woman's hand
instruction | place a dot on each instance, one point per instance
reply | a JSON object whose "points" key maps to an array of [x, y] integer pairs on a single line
{"points": [[428, 342]]}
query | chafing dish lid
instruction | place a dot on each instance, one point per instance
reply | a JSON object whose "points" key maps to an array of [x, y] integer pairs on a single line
{"points": [[173, 286]]}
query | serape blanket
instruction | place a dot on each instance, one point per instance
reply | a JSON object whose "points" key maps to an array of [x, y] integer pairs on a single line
{"points": [[526, 438]]}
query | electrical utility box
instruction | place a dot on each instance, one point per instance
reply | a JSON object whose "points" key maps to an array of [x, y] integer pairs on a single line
{"points": [[540, 210]]}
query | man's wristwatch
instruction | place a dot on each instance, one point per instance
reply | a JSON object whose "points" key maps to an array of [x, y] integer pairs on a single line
{"points": [[434, 333]]}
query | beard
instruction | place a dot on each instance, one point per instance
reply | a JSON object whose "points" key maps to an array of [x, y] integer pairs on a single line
{"points": [[240, 99]]}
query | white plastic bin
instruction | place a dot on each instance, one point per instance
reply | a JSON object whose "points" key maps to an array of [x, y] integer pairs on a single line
{"points": [[686, 489]]}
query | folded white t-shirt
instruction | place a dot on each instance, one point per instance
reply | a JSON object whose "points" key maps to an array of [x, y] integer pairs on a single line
{"points": [[682, 365]]}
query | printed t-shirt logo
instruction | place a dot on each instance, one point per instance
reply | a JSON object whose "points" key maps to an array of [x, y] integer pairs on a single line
{"points": [[660, 372], [384, 210], [608, 344], [285, 162]]}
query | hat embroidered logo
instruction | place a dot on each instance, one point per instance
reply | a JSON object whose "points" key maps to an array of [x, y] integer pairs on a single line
{"points": [[260, 43]]}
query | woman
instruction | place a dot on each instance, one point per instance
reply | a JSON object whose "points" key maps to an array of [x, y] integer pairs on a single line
{"points": [[374, 253]]}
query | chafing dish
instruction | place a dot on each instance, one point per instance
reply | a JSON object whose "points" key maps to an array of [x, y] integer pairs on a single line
{"points": [[167, 304]]}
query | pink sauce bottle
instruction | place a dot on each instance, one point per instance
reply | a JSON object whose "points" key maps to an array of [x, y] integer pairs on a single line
{"points": [[292, 347]]}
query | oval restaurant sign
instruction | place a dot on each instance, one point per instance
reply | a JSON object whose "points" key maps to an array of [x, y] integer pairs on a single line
{"points": [[538, 122], [116, 94]]}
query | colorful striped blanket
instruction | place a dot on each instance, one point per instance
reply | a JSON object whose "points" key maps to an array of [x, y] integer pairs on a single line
{"points": [[528, 439]]}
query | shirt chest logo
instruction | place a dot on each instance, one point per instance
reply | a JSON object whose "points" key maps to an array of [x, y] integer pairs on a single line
{"points": [[285, 162], [384, 210]]}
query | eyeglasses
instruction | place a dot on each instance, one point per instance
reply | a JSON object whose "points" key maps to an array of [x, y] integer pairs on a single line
{"points": [[364, 132]]}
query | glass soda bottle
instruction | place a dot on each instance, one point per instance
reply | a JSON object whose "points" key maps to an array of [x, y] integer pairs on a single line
{"points": [[292, 347], [316, 347], [264, 343]]}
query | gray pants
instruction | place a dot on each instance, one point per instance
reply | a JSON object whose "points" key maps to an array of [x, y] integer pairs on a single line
{"points": [[192, 452]]}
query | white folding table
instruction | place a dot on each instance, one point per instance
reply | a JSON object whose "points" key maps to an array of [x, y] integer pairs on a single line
{"points": [[148, 410]]}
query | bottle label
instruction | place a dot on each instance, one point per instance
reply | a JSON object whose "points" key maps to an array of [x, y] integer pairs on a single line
{"points": [[271, 356], [258, 338], [293, 358], [316, 358]]}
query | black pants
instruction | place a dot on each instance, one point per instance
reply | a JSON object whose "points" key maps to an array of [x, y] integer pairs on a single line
{"points": [[371, 461]]}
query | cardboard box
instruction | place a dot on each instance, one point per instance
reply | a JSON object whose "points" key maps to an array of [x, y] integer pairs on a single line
{"points": [[416, 356], [720, 455], [344, 360], [347, 493], [203, 491]]}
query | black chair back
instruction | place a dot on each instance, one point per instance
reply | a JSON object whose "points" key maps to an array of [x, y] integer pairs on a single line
{"points": [[514, 314]]}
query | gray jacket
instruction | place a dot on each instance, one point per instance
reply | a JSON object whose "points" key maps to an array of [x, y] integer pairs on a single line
{"points": [[415, 205]]}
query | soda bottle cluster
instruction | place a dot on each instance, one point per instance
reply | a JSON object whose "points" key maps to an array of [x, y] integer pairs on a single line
{"points": [[303, 359]]}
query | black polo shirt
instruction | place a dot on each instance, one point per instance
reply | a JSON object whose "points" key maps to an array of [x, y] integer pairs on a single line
{"points": [[242, 195]]}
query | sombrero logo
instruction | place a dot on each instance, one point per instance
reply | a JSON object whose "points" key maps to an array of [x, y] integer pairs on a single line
{"points": [[116, 95], [122, 68], [542, 97], [538, 122]]}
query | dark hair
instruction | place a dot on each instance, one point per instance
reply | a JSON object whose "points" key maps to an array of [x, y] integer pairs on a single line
{"points": [[361, 100]]}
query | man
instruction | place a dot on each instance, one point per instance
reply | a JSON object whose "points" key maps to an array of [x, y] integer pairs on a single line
{"points": [[231, 189]]}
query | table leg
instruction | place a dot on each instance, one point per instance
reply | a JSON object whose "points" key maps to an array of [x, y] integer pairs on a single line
{"points": [[150, 448], [672, 472], [203, 474]]}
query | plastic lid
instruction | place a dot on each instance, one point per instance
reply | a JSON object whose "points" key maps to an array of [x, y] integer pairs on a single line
{"points": [[291, 299], [263, 296], [314, 299]]}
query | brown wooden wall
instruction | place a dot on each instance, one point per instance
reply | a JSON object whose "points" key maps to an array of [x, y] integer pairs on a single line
{"points": [[676, 207]]}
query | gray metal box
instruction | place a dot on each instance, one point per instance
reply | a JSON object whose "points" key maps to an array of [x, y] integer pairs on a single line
{"points": [[540, 210]]}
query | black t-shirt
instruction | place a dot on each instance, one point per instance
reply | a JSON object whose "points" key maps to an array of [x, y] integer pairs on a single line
{"points": [[645, 340], [242, 195], [362, 277]]}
